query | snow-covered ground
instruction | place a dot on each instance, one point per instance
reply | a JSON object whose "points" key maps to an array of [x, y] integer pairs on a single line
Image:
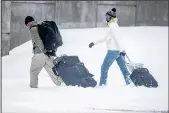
{"points": [[148, 45]]}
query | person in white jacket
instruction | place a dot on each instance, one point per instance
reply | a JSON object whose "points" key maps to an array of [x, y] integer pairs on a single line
{"points": [[115, 48]]}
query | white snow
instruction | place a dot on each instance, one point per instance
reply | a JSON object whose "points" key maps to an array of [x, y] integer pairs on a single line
{"points": [[147, 45]]}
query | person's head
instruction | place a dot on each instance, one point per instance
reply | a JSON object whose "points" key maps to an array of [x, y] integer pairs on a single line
{"points": [[29, 20], [111, 14]]}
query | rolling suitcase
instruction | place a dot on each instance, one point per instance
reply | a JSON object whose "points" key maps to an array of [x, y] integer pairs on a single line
{"points": [[73, 72], [141, 76]]}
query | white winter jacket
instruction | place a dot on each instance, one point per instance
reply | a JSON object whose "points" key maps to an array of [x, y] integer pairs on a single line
{"points": [[113, 37]]}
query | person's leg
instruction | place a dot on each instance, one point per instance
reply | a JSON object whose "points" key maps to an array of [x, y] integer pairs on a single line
{"points": [[109, 59], [121, 62], [48, 66], [38, 61]]}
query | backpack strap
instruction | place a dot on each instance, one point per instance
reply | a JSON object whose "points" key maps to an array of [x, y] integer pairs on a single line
{"points": [[33, 26]]}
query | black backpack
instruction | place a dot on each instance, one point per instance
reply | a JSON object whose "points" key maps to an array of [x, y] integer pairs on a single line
{"points": [[50, 35]]}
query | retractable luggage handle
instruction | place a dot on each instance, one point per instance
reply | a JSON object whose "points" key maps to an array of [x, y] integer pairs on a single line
{"points": [[128, 58], [133, 64]]}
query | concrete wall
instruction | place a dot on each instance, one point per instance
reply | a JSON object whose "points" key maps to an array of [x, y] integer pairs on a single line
{"points": [[0, 28], [40, 11], [6, 31], [76, 14], [0, 65], [154, 13]]}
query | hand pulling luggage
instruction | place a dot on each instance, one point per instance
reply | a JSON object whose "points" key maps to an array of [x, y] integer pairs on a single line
{"points": [[73, 72]]}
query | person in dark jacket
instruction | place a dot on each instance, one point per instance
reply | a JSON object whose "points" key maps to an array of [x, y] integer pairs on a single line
{"points": [[41, 57]]}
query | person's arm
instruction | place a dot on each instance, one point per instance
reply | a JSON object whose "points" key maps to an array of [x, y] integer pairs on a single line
{"points": [[101, 40], [104, 39], [37, 39]]}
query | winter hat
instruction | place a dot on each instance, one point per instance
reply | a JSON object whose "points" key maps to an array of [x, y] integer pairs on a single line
{"points": [[28, 19], [114, 9], [111, 14]]}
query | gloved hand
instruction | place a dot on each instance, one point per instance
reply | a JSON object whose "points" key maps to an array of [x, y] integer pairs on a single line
{"points": [[91, 44], [52, 53], [123, 53]]}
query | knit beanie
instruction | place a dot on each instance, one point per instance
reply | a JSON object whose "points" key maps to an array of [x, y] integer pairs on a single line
{"points": [[111, 14], [28, 19]]}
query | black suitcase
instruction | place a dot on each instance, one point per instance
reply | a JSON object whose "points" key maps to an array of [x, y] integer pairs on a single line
{"points": [[73, 72], [141, 76]]}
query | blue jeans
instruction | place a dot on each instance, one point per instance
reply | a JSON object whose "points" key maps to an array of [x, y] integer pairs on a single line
{"points": [[108, 61]]}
